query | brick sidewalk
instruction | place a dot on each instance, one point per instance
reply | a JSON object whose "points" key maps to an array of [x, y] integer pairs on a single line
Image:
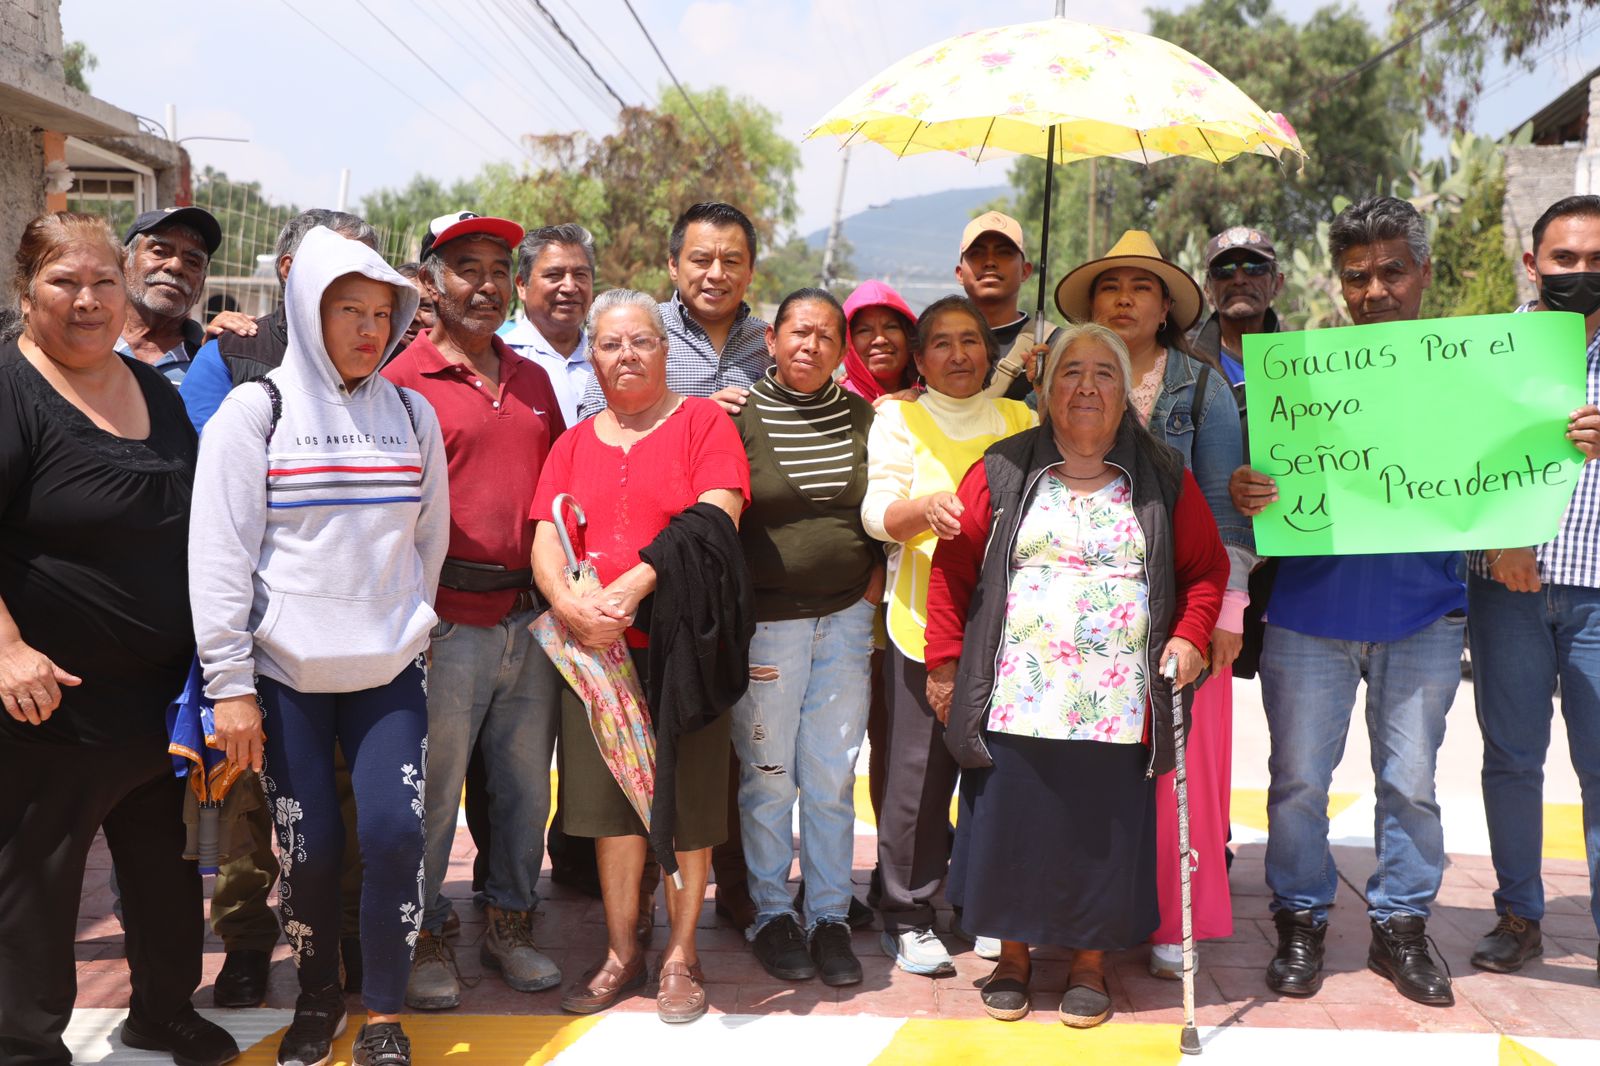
{"points": [[1557, 996]]}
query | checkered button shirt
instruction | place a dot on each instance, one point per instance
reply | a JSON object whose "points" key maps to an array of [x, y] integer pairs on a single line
{"points": [[693, 366], [1573, 557]]}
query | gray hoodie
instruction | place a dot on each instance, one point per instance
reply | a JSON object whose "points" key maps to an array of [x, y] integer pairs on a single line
{"points": [[314, 558]]}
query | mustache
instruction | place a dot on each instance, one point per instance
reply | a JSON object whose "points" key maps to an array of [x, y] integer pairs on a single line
{"points": [[161, 277]]}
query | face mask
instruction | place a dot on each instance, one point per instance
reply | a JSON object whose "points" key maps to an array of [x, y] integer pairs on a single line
{"points": [[1579, 291]]}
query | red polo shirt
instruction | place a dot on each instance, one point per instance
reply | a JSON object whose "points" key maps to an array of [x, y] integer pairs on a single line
{"points": [[496, 447]]}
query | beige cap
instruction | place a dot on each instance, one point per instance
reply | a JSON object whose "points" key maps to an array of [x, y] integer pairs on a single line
{"points": [[993, 222]]}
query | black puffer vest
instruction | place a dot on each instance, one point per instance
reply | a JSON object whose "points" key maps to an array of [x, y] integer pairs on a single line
{"points": [[249, 358], [1013, 466]]}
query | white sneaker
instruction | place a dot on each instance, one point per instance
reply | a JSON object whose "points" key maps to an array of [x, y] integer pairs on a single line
{"points": [[986, 947], [1166, 961], [918, 951]]}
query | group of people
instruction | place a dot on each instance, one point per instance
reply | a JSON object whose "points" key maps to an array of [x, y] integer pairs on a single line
{"points": [[994, 549]]}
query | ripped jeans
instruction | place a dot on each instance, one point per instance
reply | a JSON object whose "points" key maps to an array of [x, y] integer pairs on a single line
{"points": [[797, 732]]}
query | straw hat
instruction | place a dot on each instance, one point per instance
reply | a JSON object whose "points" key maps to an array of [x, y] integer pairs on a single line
{"points": [[1133, 249]]}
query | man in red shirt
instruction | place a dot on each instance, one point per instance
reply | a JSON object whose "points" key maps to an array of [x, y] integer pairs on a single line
{"points": [[487, 676]]}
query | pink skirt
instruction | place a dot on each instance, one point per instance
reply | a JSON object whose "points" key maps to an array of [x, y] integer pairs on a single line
{"points": [[1210, 767]]}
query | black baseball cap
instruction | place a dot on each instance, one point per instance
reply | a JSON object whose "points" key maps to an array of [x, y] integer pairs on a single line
{"points": [[198, 219]]}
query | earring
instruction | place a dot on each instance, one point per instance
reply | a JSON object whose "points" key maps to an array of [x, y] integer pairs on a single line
{"points": [[1162, 326]]}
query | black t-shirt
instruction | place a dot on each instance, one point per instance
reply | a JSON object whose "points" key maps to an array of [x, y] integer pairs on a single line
{"points": [[94, 535]]}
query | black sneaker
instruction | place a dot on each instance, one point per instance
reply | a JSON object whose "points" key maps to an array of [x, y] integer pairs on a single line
{"points": [[1512, 942], [383, 1044], [830, 950], [1399, 952], [188, 1038], [780, 947], [319, 1018]]}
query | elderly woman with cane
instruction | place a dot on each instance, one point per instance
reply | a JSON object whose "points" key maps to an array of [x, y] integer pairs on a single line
{"points": [[1056, 716]]}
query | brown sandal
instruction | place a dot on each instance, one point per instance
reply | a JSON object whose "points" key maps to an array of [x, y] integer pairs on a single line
{"points": [[603, 986], [681, 996]]}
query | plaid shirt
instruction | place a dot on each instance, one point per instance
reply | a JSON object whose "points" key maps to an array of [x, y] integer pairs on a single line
{"points": [[693, 366], [1573, 557]]}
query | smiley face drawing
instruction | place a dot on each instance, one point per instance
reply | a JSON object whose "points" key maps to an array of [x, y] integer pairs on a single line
{"points": [[1309, 515]]}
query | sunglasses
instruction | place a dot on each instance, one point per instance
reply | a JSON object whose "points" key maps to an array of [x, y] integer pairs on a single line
{"points": [[1253, 269]]}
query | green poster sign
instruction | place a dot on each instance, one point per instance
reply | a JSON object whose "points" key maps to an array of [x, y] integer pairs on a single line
{"points": [[1435, 435]]}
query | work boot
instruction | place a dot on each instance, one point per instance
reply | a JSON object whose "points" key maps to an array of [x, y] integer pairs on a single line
{"points": [[242, 981], [1399, 952], [508, 947], [435, 982], [1512, 942], [1296, 969]]}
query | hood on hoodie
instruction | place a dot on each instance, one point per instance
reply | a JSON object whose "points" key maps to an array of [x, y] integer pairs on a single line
{"points": [[324, 257], [858, 378]]}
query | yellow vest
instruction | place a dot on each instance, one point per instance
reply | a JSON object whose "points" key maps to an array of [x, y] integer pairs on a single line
{"points": [[938, 465]]}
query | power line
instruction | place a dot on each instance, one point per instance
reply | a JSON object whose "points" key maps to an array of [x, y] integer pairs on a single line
{"points": [[443, 80], [686, 99], [448, 124], [516, 19], [579, 52], [646, 94], [522, 58], [501, 72], [1357, 71]]}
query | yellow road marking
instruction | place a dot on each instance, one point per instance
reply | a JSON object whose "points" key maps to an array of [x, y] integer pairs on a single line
{"points": [[510, 1040], [920, 1042]]}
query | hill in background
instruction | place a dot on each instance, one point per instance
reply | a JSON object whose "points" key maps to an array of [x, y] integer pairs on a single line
{"points": [[911, 243]]}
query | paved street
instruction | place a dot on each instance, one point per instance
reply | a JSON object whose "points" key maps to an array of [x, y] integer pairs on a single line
{"points": [[1549, 1013]]}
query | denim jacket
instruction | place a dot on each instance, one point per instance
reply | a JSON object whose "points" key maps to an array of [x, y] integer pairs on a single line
{"points": [[1216, 451]]}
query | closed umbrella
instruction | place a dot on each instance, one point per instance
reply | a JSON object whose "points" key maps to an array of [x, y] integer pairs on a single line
{"points": [[606, 682], [1062, 91]]}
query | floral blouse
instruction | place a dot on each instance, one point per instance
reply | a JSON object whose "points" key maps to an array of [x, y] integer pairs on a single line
{"points": [[1072, 659]]}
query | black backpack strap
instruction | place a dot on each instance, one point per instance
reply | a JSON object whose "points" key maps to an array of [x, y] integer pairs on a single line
{"points": [[1198, 414], [411, 412], [275, 397]]}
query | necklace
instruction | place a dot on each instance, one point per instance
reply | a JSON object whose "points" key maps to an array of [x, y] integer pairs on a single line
{"points": [[1084, 477]]}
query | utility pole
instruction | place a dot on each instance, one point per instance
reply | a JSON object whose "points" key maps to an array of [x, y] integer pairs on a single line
{"points": [[1094, 207], [831, 249], [344, 189]]}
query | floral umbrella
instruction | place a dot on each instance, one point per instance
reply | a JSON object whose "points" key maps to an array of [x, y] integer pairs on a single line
{"points": [[1060, 90]]}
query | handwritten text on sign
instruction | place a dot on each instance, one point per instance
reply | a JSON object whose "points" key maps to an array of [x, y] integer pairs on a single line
{"points": [[1434, 435]]}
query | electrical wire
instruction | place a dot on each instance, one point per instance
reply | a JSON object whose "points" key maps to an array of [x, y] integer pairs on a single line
{"points": [[667, 67], [497, 68], [1362, 68], [447, 123], [517, 145], [578, 52], [646, 94], [522, 60], [556, 58]]}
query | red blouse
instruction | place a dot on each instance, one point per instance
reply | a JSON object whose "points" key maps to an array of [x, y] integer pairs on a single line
{"points": [[630, 496]]}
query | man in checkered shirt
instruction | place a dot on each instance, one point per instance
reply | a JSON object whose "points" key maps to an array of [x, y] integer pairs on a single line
{"points": [[1533, 618]]}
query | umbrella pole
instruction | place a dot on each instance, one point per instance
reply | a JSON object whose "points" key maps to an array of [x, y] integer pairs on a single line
{"points": [[1044, 235]]}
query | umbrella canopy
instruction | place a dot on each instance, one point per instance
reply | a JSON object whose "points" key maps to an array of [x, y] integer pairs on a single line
{"points": [[1092, 90]]}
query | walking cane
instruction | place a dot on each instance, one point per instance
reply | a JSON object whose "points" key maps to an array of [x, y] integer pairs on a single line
{"points": [[1189, 1041]]}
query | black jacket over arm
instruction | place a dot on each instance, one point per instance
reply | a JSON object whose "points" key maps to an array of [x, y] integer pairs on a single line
{"points": [[702, 616]]}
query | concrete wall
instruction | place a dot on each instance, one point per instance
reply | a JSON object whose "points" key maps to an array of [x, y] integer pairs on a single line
{"points": [[1536, 177], [21, 192], [30, 34]]}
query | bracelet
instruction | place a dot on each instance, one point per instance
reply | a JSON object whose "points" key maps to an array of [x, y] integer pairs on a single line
{"points": [[1489, 563]]}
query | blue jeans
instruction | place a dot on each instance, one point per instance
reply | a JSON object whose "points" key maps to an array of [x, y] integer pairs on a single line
{"points": [[1308, 687], [1521, 643], [797, 733], [383, 733], [493, 682]]}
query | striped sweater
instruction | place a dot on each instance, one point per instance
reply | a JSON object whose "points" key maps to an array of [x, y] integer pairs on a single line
{"points": [[802, 534]]}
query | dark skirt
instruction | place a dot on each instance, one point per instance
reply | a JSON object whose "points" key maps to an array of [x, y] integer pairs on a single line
{"points": [[1056, 844], [594, 805]]}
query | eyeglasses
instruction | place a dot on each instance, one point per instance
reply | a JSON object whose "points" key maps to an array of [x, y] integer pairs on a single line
{"points": [[637, 345], [1253, 269]]}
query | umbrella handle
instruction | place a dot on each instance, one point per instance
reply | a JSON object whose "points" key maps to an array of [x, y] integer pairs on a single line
{"points": [[561, 526]]}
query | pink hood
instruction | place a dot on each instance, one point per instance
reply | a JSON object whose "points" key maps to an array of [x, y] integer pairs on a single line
{"points": [[857, 378]]}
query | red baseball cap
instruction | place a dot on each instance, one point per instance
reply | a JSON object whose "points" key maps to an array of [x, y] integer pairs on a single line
{"points": [[461, 223]]}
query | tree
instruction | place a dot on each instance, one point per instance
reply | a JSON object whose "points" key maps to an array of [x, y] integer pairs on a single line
{"points": [[1350, 137], [795, 264], [629, 186], [1452, 63], [76, 59]]}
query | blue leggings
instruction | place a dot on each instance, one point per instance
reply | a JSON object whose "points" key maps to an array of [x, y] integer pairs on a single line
{"points": [[384, 735]]}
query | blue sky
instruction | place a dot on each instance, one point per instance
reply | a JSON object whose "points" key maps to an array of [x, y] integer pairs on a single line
{"points": [[254, 69]]}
